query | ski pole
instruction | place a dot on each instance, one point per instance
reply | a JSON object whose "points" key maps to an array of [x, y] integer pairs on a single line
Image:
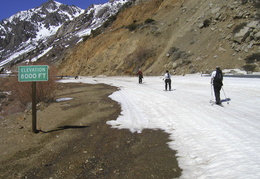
{"points": [[211, 86], [224, 94]]}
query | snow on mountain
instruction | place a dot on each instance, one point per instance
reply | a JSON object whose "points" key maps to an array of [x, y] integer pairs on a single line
{"points": [[25, 30], [29, 34], [68, 12], [100, 13], [39, 16]]}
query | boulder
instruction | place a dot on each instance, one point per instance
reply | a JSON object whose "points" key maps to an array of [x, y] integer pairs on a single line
{"points": [[242, 35]]}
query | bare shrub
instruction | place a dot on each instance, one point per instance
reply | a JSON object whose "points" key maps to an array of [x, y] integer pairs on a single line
{"points": [[138, 58], [96, 32], [149, 20], [249, 67], [253, 58], [109, 21], [206, 23], [132, 27], [142, 54], [85, 38], [23, 90]]}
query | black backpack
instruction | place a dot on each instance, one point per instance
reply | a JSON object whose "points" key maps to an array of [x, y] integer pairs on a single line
{"points": [[219, 76]]}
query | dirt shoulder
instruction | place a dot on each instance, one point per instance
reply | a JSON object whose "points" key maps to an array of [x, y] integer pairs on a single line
{"points": [[76, 142]]}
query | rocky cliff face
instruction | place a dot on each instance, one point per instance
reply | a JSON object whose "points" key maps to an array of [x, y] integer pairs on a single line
{"points": [[183, 36]]}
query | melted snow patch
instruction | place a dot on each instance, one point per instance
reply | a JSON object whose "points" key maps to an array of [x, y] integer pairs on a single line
{"points": [[63, 99]]}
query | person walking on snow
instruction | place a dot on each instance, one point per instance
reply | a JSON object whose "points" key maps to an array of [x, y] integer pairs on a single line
{"points": [[216, 81], [140, 76], [167, 80]]}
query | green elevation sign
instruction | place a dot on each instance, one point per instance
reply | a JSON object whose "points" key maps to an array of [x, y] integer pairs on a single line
{"points": [[33, 73]]}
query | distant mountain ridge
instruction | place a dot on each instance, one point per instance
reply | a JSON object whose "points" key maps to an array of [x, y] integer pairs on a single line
{"points": [[29, 35]]}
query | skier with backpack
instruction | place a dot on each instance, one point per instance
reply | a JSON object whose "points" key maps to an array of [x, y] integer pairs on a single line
{"points": [[216, 81]]}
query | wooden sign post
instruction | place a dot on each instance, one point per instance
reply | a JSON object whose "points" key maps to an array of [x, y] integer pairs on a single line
{"points": [[33, 74]]}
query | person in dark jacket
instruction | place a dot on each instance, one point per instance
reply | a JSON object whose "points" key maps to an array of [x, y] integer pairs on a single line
{"points": [[140, 76], [217, 82]]}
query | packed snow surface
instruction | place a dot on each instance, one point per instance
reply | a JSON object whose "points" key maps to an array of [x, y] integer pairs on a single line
{"points": [[212, 142]]}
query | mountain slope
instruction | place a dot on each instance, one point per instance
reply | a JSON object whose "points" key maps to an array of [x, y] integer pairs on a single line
{"points": [[45, 33], [28, 30], [182, 36]]}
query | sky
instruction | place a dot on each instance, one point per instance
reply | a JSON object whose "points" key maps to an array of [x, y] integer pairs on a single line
{"points": [[11, 7], [211, 141]]}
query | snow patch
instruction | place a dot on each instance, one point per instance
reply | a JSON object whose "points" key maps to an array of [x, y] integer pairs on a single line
{"points": [[63, 99], [211, 141]]}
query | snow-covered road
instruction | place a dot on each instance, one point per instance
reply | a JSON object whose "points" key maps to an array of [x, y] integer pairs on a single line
{"points": [[211, 141]]}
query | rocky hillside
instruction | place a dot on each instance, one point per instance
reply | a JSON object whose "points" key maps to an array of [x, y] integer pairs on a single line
{"points": [[184, 36]]}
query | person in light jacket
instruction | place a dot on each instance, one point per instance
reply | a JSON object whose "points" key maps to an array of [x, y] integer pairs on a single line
{"points": [[167, 80]]}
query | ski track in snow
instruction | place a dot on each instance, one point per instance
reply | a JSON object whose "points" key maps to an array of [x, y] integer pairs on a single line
{"points": [[212, 142]]}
